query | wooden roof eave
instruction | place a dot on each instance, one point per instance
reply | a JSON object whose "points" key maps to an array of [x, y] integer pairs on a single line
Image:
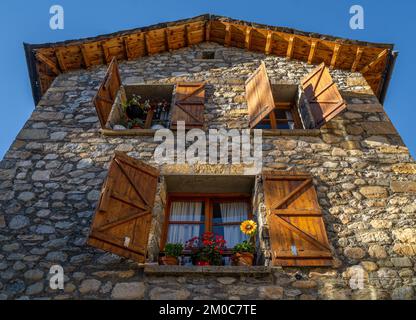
{"points": [[54, 64]]}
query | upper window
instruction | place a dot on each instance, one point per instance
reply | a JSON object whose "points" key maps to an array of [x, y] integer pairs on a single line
{"points": [[285, 114], [276, 106], [139, 107], [191, 216]]}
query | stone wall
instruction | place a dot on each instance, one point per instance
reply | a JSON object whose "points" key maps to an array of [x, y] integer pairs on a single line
{"points": [[51, 177]]}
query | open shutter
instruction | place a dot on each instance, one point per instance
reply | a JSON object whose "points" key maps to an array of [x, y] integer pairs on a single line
{"points": [[123, 217], [296, 228], [323, 96], [189, 105], [259, 96], [107, 92]]}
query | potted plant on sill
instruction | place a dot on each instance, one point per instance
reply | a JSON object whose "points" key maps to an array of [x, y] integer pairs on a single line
{"points": [[172, 252], [206, 250], [244, 252], [136, 110]]}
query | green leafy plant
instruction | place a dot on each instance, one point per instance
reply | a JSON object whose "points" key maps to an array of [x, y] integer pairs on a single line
{"points": [[134, 123], [173, 249], [245, 246]]}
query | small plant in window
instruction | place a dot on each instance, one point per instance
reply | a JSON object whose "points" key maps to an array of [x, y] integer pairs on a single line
{"points": [[136, 110], [172, 252], [244, 252], [207, 249]]}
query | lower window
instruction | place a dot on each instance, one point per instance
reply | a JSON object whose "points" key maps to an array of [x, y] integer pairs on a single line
{"points": [[191, 215]]}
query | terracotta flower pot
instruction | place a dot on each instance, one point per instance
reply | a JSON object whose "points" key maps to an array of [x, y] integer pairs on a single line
{"points": [[243, 259], [169, 261]]}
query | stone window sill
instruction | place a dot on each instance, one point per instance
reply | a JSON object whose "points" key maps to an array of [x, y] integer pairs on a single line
{"points": [[151, 132], [206, 270], [294, 132]]}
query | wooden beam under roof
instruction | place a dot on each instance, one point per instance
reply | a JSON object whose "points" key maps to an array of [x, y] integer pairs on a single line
{"points": [[84, 54], [268, 47], [314, 44], [227, 40], [51, 65], [247, 39], [166, 36], [357, 59], [380, 57], [60, 59], [290, 47], [207, 30], [335, 54]]}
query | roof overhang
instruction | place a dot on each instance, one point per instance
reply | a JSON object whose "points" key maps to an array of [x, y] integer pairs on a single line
{"points": [[374, 60]]}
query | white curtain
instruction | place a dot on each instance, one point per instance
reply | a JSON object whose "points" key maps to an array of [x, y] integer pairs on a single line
{"points": [[233, 212], [184, 211]]}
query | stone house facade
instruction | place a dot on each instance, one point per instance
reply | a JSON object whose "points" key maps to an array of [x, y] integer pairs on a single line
{"points": [[52, 176]]}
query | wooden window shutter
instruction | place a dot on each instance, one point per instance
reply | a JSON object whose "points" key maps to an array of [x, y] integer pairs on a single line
{"points": [[189, 105], [122, 220], [296, 228], [259, 96], [107, 92], [323, 96]]}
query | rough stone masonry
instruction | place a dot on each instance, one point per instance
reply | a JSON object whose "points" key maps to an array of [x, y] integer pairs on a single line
{"points": [[51, 177]]}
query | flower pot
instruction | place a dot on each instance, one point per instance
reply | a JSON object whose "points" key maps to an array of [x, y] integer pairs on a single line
{"points": [[168, 261], [243, 259], [202, 263]]}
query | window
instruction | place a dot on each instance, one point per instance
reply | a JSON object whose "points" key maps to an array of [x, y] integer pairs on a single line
{"points": [[312, 103], [284, 116], [208, 55], [190, 216], [153, 113], [212, 55], [153, 106]]}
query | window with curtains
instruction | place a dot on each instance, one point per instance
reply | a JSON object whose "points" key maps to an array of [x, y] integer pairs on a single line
{"points": [[190, 216]]}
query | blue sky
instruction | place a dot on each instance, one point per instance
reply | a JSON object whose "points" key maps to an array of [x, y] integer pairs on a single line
{"points": [[28, 21]]}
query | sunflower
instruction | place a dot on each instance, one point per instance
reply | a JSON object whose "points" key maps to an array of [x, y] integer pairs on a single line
{"points": [[248, 227]]}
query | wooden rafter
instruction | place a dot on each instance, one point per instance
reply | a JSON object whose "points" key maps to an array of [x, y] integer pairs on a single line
{"points": [[380, 57], [247, 40], [227, 40], [60, 58], [337, 48], [167, 43], [106, 53], [207, 30], [42, 58], [85, 56], [358, 55], [269, 38], [314, 44], [187, 36], [126, 49], [147, 44], [290, 47]]}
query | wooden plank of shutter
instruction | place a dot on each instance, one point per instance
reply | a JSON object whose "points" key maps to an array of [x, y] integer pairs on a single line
{"points": [[323, 96], [107, 92], [189, 105], [123, 217], [259, 96], [296, 227]]}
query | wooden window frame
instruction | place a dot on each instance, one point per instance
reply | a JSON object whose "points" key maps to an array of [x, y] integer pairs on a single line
{"points": [[208, 199], [285, 106]]}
